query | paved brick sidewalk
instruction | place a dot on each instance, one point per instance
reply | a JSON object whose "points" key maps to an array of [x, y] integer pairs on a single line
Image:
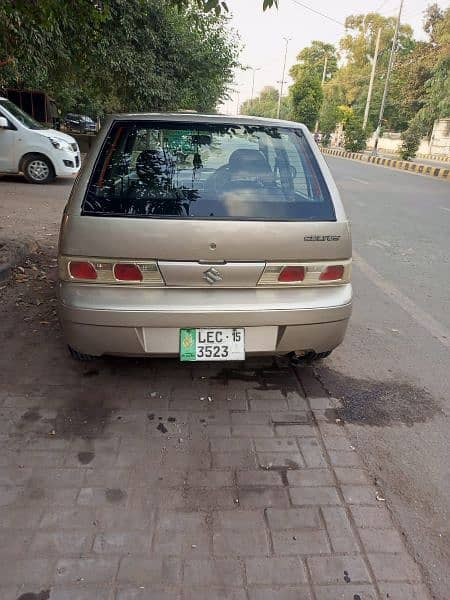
{"points": [[133, 480]]}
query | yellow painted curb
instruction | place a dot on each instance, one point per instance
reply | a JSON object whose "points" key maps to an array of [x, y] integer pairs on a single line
{"points": [[404, 165]]}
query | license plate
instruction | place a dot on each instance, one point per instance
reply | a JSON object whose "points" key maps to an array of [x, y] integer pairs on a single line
{"points": [[212, 344]]}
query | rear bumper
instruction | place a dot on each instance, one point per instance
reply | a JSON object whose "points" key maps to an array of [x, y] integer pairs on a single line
{"points": [[128, 321]]}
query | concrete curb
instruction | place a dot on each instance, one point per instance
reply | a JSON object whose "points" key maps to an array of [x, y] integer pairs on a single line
{"points": [[15, 252], [402, 165]]}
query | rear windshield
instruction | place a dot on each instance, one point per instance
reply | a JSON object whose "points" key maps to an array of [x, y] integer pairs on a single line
{"points": [[207, 171]]}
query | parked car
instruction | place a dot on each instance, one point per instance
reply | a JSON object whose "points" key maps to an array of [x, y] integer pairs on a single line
{"points": [[239, 247], [80, 123], [27, 147]]}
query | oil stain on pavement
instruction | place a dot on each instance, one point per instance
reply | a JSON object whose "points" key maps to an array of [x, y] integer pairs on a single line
{"points": [[377, 403]]}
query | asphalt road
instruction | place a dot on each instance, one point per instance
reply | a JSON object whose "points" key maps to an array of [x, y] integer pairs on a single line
{"points": [[393, 370]]}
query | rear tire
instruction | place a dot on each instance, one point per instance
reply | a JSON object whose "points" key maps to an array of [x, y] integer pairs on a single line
{"points": [[37, 168], [321, 355], [80, 356]]}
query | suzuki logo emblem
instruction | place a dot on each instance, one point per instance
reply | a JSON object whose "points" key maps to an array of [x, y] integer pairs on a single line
{"points": [[212, 275]]}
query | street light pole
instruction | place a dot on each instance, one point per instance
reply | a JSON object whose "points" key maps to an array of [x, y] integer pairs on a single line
{"points": [[254, 69], [287, 40], [372, 77], [237, 103], [324, 74], [386, 84]]}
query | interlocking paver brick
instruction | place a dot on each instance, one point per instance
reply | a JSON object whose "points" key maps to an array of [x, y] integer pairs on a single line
{"points": [[158, 570], [344, 458], [234, 460], [99, 496], [210, 478], [57, 543], [381, 540], [294, 430], [339, 529], [209, 498], [240, 520], [218, 594], [299, 417], [349, 476], [312, 453], [61, 517], [146, 593], [53, 478], [228, 542], [293, 518], [86, 570], [228, 444], [250, 418], [300, 542], [117, 517], [371, 517], [314, 495], [397, 567], [346, 592], [224, 572], [310, 477], [121, 542], [258, 478], [275, 445], [336, 443], [14, 542], [252, 431], [338, 569], [279, 593], [360, 494], [403, 591], [254, 497], [275, 571], [288, 460], [87, 592]]}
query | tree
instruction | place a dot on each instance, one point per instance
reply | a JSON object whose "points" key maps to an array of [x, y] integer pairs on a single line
{"points": [[266, 104], [313, 58], [306, 98], [435, 92], [134, 55]]}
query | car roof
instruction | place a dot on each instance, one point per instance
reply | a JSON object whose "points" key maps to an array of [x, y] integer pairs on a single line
{"points": [[194, 117]]}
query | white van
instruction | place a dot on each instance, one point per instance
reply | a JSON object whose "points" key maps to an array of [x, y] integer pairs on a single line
{"points": [[27, 147]]}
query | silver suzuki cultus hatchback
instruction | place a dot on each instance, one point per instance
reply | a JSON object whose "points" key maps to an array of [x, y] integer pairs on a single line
{"points": [[205, 237]]}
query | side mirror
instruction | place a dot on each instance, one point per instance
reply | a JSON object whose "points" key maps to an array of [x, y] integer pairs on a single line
{"points": [[4, 123]]}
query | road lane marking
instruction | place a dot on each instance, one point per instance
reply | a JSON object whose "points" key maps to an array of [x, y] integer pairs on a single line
{"points": [[359, 180], [444, 208], [428, 322]]}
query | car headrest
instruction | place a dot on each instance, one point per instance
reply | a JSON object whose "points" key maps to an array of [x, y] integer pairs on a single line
{"points": [[251, 161]]}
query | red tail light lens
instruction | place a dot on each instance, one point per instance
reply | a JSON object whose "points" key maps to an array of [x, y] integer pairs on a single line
{"points": [[292, 274], [332, 273], [127, 272], [82, 270]]}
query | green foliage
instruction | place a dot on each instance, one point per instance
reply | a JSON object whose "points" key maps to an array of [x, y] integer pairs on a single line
{"points": [[266, 105], [130, 55], [306, 98], [354, 135], [411, 141], [312, 58]]}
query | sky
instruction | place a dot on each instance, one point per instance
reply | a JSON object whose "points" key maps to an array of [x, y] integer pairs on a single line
{"points": [[262, 34]]}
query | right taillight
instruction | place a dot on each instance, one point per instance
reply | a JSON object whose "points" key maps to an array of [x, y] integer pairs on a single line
{"points": [[307, 274], [82, 270], [292, 274], [332, 273]]}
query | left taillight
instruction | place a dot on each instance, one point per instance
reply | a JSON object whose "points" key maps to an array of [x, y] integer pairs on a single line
{"points": [[79, 269], [109, 271]]}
